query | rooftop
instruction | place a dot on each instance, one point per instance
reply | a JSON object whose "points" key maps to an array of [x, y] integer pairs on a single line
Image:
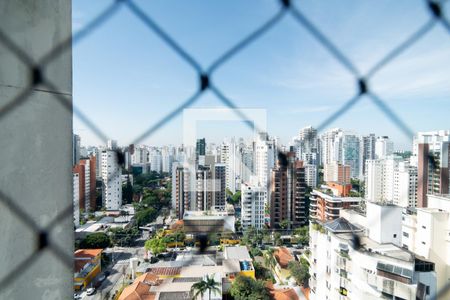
{"points": [[87, 253], [341, 225], [282, 294], [236, 252], [140, 289], [283, 256]]}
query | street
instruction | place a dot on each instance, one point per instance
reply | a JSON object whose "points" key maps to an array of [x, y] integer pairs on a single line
{"points": [[118, 267]]}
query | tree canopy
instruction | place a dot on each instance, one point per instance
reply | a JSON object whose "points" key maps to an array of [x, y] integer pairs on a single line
{"points": [[299, 270], [206, 285], [302, 234], [246, 288], [156, 245], [95, 241]]}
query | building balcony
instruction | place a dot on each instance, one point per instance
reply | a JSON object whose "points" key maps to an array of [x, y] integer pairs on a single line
{"points": [[390, 286]]}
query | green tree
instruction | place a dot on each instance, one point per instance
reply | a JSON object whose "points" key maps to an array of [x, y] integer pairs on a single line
{"points": [[302, 234], [300, 271], [236, 198], [255, 252], [285, 224], [277, 239], [145, 215], [207, 284], [95, 241], [156, 245], [262, 273], [269, 258], [252, 237], [179, 235], [123, 237], [246, 288]]}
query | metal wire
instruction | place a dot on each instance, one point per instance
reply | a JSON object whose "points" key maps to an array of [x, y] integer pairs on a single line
{"points": [[38, 82]]}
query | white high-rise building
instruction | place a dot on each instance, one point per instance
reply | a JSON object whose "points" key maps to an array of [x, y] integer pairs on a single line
{"points": [[111, 181], [342, 147], [376, 267], [327, 141], [311, 175], [405, 185], [112, 145], [156, 161], [306, 146], [253, 199], [427, 234], [247, 166], [380, 179], [76, 199], [167, 160], [264, 158], [384, 147], [139, 155], [230, 157]]}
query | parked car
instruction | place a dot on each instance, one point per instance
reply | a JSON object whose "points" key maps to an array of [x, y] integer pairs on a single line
{"points": [[107, 273], [90, 291], [76, 296], [101, 278]]}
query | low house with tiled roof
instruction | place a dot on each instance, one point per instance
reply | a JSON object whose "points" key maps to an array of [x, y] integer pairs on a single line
{"points": [[140, 289], [282, 294], [151, 287], [283, 256], [87, 264]]}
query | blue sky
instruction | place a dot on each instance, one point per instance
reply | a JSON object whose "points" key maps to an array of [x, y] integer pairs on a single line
{"points": [[125, 78]]}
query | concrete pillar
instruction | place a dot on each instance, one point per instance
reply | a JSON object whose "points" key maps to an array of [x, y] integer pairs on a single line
{"points": [[36, 152]]}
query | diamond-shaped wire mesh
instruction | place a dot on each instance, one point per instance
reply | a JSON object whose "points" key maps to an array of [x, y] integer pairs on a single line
{"points": [[38, 80]]}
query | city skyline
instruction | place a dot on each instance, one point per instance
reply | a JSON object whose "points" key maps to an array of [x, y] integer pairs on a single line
{"points": [[282, 76]]}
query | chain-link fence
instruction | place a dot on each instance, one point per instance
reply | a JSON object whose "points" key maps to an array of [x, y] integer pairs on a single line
{"points": [[286, 9]]}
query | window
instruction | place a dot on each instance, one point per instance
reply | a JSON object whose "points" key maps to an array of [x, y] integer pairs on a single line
{"points": [[395, 235], [405, 234]]}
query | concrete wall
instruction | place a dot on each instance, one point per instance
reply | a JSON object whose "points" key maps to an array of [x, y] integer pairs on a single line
{"points": [[384, 223], [36, 150]]}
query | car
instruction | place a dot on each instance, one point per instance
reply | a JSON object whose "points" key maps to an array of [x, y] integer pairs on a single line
{"points": [[90, 291], [107, 273], [76, 296], [101, 278]]}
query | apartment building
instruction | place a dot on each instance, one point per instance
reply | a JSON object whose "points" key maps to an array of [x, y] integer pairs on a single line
{"points": [[288, 200], [431, 152], [426, 232], [204, 188], [327, 202], [76, 199], [182, 190], [380, 178], [358, 257], [86, 185], [405, 185], [336, 172], [111, 180], [253, 199]]}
